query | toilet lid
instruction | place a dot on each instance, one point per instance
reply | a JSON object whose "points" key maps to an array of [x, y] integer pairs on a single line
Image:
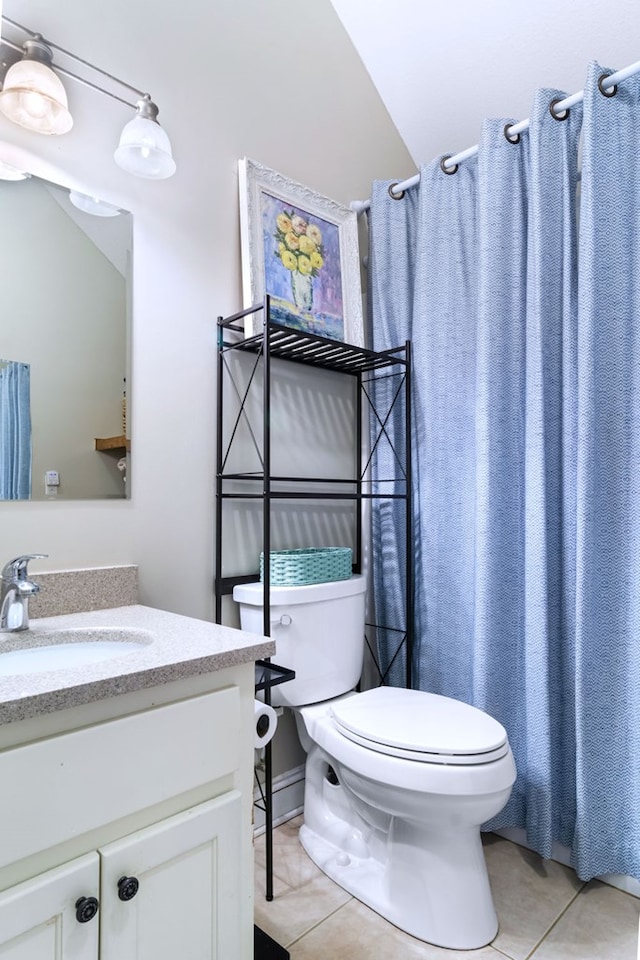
{"points": [[420, 726]]}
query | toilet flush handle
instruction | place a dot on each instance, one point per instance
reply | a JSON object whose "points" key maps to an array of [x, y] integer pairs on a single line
{"points": [[283, 621]]}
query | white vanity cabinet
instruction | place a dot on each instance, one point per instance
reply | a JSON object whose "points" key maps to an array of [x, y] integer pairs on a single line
{"points": [[178, 899], [142, 802], [38, 918], [186, 877]]}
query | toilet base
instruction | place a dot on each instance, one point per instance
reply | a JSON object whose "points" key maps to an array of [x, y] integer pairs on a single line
{"points": [[403, 836], [454, 918]]}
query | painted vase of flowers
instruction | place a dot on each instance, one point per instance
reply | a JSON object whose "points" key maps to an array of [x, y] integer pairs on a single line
{"points": [[299, 247], [302, 290]]}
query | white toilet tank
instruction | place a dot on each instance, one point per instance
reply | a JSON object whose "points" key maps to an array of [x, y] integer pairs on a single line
{"points": [[318, 631]]}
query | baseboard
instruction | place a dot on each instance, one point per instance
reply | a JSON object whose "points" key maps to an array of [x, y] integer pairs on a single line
{"points": [[288, 799], [562, 854]]}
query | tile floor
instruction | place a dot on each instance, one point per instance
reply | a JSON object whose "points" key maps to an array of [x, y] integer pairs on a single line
{"points": [[545, 912]]}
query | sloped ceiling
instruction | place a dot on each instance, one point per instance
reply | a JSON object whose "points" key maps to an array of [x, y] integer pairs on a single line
{"points": [[440, 68]]}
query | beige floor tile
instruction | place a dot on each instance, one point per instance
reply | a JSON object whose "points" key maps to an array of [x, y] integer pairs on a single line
{"points": [[529, 894], [601, 924], [290, 862], [295, 910], [356, 933], [313, 917]]}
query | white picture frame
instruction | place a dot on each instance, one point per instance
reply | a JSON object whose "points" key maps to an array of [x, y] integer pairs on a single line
{"points": [[294, 239]]}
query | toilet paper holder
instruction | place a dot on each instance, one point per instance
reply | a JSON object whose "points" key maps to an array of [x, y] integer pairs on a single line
{"points": [[265, 724], [271, 674], [262, 726]]}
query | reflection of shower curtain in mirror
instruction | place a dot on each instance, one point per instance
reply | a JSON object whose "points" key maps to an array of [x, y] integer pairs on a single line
{"points": [[15, 431]]}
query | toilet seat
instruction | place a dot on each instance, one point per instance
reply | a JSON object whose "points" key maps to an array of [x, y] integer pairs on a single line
{"points": [[423, 727]]}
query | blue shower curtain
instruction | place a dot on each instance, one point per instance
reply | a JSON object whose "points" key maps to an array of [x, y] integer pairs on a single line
{"points": [[411, 277], [608, 486], [15, 431], [526, 479]]}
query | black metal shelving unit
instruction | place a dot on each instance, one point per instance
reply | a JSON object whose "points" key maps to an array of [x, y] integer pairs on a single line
{"points": [[365, 366]]}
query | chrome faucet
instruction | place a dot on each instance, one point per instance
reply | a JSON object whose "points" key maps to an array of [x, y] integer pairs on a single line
{"points": [[15, 592]]}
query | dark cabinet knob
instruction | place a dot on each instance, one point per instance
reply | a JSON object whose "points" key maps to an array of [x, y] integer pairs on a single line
{"points": [[127, 888], [86, 909]]}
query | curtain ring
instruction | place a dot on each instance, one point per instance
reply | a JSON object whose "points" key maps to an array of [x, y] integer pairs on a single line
{"points": [[511, 137], [395, 196], [448, 170], [606, 93], [563, 113]]}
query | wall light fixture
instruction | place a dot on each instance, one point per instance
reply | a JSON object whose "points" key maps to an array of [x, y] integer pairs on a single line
{"points": [[9, 172], [93, 205], [34, 97]]}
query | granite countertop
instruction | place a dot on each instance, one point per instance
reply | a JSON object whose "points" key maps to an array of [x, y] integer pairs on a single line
{"points": [[172, 647]]}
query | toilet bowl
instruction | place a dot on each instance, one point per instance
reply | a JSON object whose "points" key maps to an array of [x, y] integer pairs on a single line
{"points": [[398, 782]]}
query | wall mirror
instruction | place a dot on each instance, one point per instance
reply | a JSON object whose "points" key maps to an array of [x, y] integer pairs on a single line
{"points": [[65, 312]]}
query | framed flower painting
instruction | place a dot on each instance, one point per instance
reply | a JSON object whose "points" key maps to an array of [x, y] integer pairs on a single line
{"points": [[302, 249]]}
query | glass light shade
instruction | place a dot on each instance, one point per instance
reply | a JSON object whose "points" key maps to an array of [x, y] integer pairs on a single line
{"points": [[8, 172], [33, 97], [92, 205], [144, 150]]}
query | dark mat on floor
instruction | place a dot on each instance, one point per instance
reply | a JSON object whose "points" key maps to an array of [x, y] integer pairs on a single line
{"points": [[264, 948]]}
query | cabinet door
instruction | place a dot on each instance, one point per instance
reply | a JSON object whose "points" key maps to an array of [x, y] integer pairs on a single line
{"points": [[38, 917], [187, 870]]}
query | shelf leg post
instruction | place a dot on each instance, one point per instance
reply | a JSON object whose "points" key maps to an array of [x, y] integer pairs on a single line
{"points": [[409, 604], [266, 581], [219, 449], [360, 501]]}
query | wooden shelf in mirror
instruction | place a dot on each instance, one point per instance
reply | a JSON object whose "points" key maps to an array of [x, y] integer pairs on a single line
{"points": [[113, 443]]}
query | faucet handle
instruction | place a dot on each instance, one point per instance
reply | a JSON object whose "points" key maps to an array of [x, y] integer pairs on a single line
{"points": [[17, 569]]}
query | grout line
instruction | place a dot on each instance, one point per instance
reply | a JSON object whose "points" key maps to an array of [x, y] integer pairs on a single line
{"points": [[557, 920], [501, 952], [320, 922], [322, 919]]}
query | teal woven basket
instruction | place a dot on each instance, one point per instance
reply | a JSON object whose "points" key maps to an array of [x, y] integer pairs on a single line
{"points": [[295, 568]]}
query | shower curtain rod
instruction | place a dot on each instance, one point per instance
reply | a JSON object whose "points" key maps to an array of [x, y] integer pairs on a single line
{"points": [[449, 163]]}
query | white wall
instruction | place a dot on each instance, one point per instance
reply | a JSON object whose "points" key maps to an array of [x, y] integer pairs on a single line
{"points": [[274, 81], [441, 68]]}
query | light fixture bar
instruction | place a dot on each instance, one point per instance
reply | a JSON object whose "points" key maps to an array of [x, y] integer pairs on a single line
{"points": [[68, 73], [85, 63], [89, 83], [74, 76]]}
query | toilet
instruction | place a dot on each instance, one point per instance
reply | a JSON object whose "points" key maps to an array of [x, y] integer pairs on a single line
{"points": [[398, 781]]}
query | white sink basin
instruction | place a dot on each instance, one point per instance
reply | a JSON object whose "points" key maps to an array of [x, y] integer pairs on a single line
{"points": [[66, 649]]}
